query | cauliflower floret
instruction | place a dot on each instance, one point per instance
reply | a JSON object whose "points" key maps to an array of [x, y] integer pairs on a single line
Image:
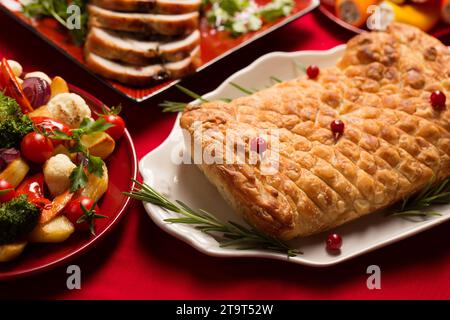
{"points": [[69, 108], [16, 68], [57, 171]]}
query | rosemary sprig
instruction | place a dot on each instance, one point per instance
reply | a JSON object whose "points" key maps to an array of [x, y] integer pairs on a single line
{"points": [[240, 88], [276, 79], [418, 205], [229, 234], [191, 94], [300, 66], [173, 106]]}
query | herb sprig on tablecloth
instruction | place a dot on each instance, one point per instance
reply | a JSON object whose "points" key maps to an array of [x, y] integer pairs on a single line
{"points": [[228, 234]]}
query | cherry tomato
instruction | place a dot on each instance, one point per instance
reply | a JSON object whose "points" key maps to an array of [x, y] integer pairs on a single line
{"points": [[83, 220], [7, 192], [119, 125], [36, 147], [48, 125]]}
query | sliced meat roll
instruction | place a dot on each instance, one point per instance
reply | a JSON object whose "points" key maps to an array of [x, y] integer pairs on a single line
{"points": [[139, 76], [153, 6], [134, 50], [148, 23]]}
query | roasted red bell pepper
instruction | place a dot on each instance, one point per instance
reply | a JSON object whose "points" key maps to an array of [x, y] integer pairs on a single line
{"points": [[13, 88], [33, 187], [50, 125]]}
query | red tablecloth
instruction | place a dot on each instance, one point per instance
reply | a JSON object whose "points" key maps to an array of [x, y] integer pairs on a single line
{"points": [[140, 261]]}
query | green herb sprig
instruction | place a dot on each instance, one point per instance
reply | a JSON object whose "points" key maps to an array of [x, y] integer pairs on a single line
{"points": [[230, 234], [94, 165], [242, 16], [418, 205], [175, 106], [172, 106], [57, 9]]}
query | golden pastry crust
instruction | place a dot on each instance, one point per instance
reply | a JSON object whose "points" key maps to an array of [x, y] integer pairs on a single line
{"points": [[394, 142]]}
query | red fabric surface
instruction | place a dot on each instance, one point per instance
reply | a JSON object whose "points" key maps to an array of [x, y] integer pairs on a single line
{"points": [[140, 261]]}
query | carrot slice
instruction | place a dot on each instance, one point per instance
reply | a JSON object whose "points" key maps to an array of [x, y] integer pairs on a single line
{"points": [[13, 87]]}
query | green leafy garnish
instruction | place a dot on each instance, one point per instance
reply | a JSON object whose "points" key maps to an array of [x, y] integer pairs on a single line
{"points": [[78, 178], [229, 234], [93, 164], [58, 9], [276, 9], [242, 16]]}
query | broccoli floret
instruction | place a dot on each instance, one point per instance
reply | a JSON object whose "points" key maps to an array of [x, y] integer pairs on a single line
{"points": [[13, 123], [18, 217]]}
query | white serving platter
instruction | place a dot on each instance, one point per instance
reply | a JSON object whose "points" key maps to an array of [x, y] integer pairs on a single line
{"points": [[186, 183]]}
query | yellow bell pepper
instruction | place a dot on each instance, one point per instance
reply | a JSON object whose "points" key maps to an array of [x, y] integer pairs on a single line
{"points": [[424, 16]]}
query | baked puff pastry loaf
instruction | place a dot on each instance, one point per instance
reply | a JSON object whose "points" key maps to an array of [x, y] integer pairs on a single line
{"points": [[394, 142]]}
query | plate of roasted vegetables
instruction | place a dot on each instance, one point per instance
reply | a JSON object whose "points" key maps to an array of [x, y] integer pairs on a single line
{"points": [[432, 16], [57, 145]]}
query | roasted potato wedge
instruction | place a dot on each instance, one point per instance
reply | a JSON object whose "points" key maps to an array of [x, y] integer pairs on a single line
{"points": [[56, 230], [15, 172], [58, 85], [11, 251], [96, 187], [40, 112], [99, 144]]}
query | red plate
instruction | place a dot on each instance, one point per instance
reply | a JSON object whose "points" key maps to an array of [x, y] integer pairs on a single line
{"points": [[441, 31], [214, 45], [39, 256]]}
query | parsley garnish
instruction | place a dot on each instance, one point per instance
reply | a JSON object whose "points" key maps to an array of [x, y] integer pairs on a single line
{"points": [[90, 163], [242, 16], [57, 9]]}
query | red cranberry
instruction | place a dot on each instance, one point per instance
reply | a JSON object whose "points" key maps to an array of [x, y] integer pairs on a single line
{"points": [[337, 127], [258, 145], [334, 241], [438, 99], [313, 71]]}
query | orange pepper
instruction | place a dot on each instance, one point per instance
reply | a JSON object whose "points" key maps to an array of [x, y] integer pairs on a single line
{"points": [[354, 12], [445, 10]]}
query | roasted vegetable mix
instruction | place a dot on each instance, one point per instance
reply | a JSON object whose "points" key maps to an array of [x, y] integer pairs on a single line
{"points": [[52, 151]]}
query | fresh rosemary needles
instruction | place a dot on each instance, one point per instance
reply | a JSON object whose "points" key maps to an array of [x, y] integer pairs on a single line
{"points": [[228, 234], [418, 204]]}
